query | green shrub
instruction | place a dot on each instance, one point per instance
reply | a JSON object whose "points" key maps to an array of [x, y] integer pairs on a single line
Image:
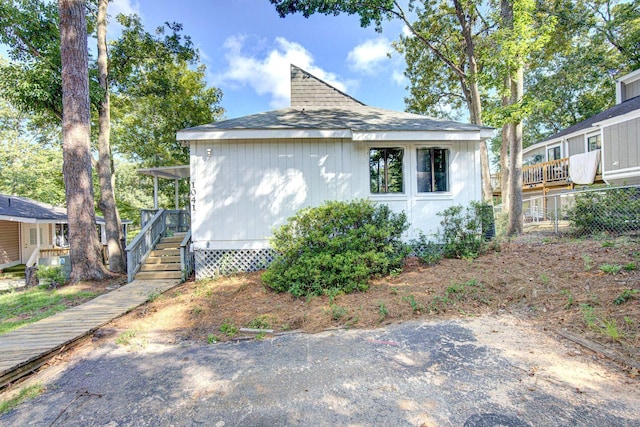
{"points": [[614, 211], [429, 252], [51, 275], [336, 247], [463, 230]]}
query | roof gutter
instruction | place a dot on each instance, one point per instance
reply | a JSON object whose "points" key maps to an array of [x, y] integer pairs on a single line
{"points": [[187, 136]]}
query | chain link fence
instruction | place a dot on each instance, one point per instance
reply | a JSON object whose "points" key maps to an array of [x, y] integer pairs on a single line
{"points": [[606, 210]]}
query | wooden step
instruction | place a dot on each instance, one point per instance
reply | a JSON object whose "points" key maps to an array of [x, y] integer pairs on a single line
{"points": [[155, 275], [161, 259], [174, 266], [177, 238], [169, 245], [165, 252]]}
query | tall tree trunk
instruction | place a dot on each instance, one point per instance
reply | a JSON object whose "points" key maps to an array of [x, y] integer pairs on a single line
{"points": [[85, 251], [106, 178], [507, 130], [473, 96], [515, 221]]}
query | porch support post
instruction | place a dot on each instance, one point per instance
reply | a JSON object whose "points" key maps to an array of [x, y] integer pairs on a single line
{"points": [[155, 192], [176, 183]]}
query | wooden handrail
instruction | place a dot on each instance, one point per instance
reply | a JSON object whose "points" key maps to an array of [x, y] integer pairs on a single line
{"points": [[540, 174]]}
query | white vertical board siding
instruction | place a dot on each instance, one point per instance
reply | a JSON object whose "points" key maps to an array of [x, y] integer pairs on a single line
{"points": [[464, 186], [248, 187]]}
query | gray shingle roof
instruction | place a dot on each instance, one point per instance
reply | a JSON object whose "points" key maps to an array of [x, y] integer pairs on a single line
{"points": [[307, 90], [357, 118], [617, 110], [21, 207], [319, 106]]}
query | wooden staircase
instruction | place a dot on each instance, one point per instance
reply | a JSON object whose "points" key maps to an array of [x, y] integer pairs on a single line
{"points": [[164, 260]]}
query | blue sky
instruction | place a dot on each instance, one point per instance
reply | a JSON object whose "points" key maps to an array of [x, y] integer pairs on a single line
{"points": [[247, 49]]}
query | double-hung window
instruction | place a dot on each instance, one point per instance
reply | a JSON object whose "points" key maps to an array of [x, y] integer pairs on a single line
{"points": [[433, 170], [385, 170]]}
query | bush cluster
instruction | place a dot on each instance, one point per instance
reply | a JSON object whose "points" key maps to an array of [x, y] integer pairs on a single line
{"points": [[336, 248], [615, 211], [465, 230], [51, 275]]}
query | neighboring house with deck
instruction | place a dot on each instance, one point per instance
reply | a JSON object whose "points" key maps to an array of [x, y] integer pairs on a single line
{"points": [[604, 148], [30, 230], [250, 174]]}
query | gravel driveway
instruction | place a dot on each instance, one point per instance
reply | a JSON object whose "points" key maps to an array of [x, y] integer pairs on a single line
{"points": [[489, 371]]}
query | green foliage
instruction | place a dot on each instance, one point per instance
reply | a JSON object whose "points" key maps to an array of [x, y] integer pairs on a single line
{"points": [[30, 167], [212, 339], [159, 87], [589, 315], [336, 247], [337, 312], [260, 322], [25, 393], [462, 230], [21, 308], [570, 298], [383, 310], [610, 268], [32, 81], [625, 296], [126, 337], [415, 305], [614, 211], [51, 275], [229, 328], [610, 329], [429, 252], [587, 262]]}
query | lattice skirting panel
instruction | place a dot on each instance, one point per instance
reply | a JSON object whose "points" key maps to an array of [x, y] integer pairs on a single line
{"points": [[222, 262]]}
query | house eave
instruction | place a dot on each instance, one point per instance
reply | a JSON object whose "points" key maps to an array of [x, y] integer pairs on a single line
{"points": [[238, 134], [441, 135], [187, 135], [26, 220], [618, 119]]}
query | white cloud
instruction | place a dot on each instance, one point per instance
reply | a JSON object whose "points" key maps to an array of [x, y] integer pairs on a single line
{"points": [[117, 7], [267, 71], [367, 56], [126, 7], [399, 77]]}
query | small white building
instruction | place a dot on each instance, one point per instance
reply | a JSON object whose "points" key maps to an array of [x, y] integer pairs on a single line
{"points": [[250, 174]]}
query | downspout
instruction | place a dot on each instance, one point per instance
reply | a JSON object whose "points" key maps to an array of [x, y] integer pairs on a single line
{"points": [[602, 163], [175, 183], [155, 193]]}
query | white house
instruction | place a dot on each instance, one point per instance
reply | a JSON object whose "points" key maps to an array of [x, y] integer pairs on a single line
{"points": [[249, 174]]}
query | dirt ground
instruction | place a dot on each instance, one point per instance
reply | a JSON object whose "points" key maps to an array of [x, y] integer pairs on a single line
{"points": [[556, 284]]}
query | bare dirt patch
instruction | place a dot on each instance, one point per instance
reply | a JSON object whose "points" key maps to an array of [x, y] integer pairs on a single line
{"points": [[556, 284]]}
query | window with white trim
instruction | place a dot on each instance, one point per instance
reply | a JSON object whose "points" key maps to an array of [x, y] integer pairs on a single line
{"points": [[594, 143], [432, 170], [553, 153], [386, 170]]}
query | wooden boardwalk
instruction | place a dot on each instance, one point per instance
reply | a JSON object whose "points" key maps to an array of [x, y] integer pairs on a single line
{"points": [[29, 347]]}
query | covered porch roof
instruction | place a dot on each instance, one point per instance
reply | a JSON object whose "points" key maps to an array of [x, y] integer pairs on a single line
{"points": [[167, 172]]}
